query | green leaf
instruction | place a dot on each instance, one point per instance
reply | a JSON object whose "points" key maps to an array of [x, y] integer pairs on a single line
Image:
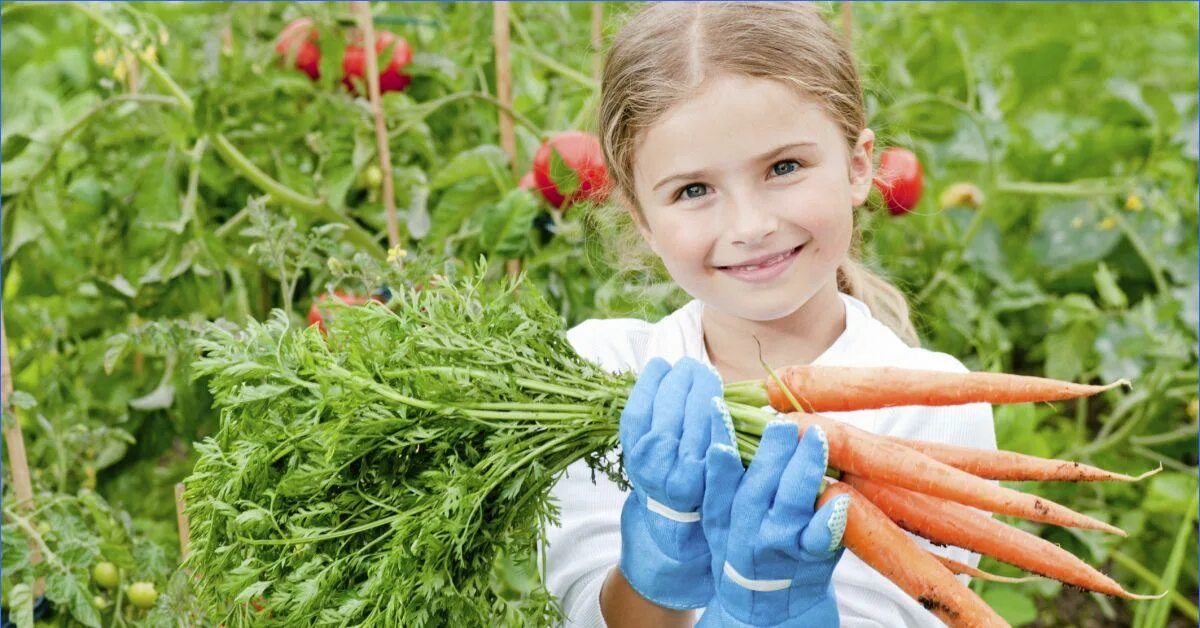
{"points": [[1069, 351], [565, 179], [21, 605], [23, 400], [13, 145], [505, 231], [1106, 285], [157, 399], [1169, 493], [1015, 607], [66, 591], [1070, 234], [482, 161], [118, 345]]}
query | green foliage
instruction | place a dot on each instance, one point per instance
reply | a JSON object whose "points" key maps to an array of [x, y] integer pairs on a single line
{"points": [[376, 476], [139, 205]]}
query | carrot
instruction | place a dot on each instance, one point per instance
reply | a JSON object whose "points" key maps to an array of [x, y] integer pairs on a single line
{"points": [[881, 544], [852, 450], [956, 567], [844, 388], [943, 521], [1014, 467]]}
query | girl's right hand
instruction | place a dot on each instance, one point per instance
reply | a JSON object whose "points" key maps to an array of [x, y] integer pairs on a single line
{"points": [[666, 429], [773, 556]]}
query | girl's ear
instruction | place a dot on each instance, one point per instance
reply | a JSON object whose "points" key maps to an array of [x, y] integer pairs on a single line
{"points": [[862, 168]]}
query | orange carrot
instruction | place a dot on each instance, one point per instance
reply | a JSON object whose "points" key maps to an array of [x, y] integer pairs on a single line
{"points": [[843, 388], [991, 464], [852, 450], [943, 521], [956, 567], [881, 544]]}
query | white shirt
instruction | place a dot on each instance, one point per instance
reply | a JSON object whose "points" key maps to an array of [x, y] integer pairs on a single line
{"points": [[586, 544]]}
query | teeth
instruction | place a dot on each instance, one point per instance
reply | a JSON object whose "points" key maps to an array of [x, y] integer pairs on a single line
{"points": [[765, 263]]}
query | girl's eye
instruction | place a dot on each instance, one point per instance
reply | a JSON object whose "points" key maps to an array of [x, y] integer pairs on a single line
{"points": [[787, 166], [695, 190]]}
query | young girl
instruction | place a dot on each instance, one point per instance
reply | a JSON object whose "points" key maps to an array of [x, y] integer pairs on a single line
{"points": [[736, 137]]}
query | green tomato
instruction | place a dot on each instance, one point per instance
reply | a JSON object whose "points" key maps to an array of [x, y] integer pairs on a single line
{"points": [[100, 602], [106, 575], [370, 177], [142, 594]]}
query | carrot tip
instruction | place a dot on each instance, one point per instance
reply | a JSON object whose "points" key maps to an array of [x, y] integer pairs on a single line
{"points": [[1147, 474], [1140, 596]]}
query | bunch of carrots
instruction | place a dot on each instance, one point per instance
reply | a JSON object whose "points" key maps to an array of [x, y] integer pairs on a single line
{"points": [[374, 474], [932, 489]]}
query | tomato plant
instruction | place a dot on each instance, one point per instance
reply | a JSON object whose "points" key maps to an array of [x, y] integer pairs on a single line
{"points": [[900, 179], [298, 41], [569, 167], [391, 77], [171, 170]]}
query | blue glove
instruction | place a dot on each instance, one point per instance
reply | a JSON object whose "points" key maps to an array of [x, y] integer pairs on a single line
{"points": [[772, 555], [666, 429]]}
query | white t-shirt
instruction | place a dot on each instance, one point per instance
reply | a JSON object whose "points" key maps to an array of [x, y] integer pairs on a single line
{"points": [[586, 544]]}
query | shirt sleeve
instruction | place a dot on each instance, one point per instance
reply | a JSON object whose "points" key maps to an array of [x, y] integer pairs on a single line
{"points": [[585, 544]]}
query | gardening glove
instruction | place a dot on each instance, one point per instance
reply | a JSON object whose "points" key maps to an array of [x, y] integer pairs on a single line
{"points": [[665, 430], [773, 557]]}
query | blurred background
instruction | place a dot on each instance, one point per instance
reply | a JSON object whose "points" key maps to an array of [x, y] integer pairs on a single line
{"points": [[167, 164]]}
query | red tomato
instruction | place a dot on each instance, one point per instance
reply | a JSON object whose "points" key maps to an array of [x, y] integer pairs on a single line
{"points": [[899, 180], [317, 314], [391, 79], [581, 153], [301, 33]]}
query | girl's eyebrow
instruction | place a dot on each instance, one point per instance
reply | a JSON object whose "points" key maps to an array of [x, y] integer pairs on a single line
{"points": [[771, 154]]}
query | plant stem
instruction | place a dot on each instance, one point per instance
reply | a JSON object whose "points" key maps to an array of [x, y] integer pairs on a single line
{"points": [[159, 73], [283, 194], [1181, 603]]}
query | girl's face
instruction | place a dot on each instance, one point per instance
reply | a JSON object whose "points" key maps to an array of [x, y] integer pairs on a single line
{"points": [[746, 192]]}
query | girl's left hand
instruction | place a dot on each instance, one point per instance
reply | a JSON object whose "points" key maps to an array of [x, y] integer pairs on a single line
{"points": [[773, 556]]}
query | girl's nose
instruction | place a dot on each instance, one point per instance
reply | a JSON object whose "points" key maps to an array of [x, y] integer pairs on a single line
{"points": [[750, 220]]}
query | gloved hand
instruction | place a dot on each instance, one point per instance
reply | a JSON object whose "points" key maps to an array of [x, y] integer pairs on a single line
{"points": [[773, 558], [666, 428]]}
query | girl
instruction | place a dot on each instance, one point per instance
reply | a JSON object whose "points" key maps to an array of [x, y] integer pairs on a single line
{"points": [[736, 138]]}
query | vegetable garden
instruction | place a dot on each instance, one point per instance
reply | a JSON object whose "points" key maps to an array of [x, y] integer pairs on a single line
{"points": [[300, 327]]}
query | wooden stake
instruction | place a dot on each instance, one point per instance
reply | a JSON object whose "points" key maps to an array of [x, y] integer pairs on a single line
{"points": [[508, 141], [181, 520], [500, 39], [15, 441], [597, 40], [362, 11], [847, 23]]}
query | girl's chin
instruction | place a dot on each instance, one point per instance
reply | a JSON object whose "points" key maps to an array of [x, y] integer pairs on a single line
{"points": [[762, 309]]}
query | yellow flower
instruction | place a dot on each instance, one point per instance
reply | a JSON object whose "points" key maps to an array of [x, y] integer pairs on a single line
{"points": [[396, 253], [119, 70], [150, 54], [961, 194], [1107, 224], [103, 57], [163, 36], [1134, 203]]}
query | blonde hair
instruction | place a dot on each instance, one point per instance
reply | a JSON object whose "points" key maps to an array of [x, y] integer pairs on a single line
{"points": [[664, 53]]}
